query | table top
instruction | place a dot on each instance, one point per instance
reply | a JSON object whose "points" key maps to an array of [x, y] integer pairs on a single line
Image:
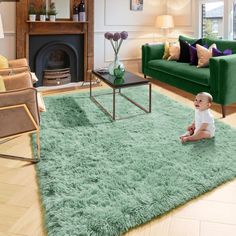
{"points": [[129, 79]]}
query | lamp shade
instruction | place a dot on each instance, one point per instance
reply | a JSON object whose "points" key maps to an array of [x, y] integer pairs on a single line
{"points": [[165, 21], [1, 28]]}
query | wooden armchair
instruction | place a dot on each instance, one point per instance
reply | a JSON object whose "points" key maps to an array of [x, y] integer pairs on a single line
{"points": [[19, 113]]}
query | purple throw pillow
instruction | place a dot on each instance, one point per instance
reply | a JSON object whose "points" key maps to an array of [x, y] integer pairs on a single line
{"points": [[193, 55], [216, 52], [185, 51]]}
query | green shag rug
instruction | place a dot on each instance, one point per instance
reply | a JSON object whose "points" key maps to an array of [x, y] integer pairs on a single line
{"points": [[101, 178]]}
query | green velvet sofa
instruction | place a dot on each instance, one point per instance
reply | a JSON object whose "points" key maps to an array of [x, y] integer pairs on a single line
{"points": [[219, 79]]}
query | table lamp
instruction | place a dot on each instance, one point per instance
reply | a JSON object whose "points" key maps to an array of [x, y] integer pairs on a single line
{"points": [[165, 22]]}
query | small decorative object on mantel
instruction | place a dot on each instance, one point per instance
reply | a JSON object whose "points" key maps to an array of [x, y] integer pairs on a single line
{"points": [[76, 11], [136, 5], [116, 40], [82, 12], [42, 12], [32, 12], [52, 11]]}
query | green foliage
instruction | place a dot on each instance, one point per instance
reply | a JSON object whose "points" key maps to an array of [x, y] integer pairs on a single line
{"points": [[32, 9], [42, 10], [52, 9], [208, 30]]}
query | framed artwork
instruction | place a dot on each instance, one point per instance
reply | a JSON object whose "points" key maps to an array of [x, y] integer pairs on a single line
{"points": [[136, 5]]}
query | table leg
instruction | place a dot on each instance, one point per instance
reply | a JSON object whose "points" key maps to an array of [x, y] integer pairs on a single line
{"points": [[114, 104], [150, 97]]}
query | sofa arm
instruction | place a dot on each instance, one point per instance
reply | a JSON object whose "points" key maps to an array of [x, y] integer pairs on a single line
{"points": [[26, 96], [222, 79], [151, 52]]}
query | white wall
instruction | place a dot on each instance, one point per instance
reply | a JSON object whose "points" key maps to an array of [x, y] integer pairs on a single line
{"points": [[115, 16], [8, 43]]}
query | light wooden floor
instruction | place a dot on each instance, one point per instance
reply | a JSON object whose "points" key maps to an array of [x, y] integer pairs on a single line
{"points": [[213, 214]]}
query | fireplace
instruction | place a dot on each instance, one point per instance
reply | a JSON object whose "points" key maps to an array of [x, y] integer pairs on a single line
{"points": [[61, 55], [77, 39]]}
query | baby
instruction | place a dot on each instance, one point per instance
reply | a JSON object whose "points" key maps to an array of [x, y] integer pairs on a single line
{"points": [[203, 125]]}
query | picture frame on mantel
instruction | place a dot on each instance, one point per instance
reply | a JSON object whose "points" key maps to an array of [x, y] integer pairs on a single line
{"points": [[136, 5]]}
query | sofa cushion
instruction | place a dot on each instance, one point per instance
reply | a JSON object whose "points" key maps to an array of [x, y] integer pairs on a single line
{"points": [[3, 62], [174, 51], [204, 55], [223, 44], [191, 40], [185, 49], [2, 85], [217, 53], [166, 51], [182, 70]]}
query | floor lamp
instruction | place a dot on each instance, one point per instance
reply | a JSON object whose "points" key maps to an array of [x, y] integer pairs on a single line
{"points": [[1, 28], [165, 22]]}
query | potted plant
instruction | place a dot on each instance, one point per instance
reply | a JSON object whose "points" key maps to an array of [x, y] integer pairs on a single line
{"points": [[42, 12], [52, 11], [32, 12]]}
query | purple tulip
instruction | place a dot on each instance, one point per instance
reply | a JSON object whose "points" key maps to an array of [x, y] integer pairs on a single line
{"points": [[116, 36], [108, 35], [124, 35]]}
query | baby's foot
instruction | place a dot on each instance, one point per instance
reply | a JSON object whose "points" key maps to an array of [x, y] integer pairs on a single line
{"points": [[184, 139], [187, 133]]}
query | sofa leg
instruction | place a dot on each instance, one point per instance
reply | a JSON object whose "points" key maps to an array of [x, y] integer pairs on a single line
{"points": [[223, 111]]}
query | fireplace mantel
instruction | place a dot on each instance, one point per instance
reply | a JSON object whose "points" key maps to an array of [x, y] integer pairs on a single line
{"points": [[25, 28]]}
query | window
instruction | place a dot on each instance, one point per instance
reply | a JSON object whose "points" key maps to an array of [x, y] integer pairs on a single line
{"points": [[212, 14], [234, 20]]}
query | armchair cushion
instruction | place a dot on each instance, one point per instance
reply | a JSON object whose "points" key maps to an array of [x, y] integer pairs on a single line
{"points": [[18, 62], [2, 85], [18, 81], [41, 104], [3, 62]]}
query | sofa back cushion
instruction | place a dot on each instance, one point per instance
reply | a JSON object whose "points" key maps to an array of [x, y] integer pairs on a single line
{"points": [[223, 44], [191, 40]]}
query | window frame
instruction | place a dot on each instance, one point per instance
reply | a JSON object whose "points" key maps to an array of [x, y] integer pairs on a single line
{"points": [[227, 17]]}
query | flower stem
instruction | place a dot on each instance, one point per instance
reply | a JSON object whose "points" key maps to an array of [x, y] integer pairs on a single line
{"points": [[118, 49], [113, 46]]}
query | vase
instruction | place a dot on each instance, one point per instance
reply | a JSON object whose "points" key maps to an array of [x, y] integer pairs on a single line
{"points": [[32, 17], [42, 17], [52, 17], [115, 64]]}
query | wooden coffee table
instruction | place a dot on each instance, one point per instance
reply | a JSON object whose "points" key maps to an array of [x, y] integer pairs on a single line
{"points": [[130, 80]]}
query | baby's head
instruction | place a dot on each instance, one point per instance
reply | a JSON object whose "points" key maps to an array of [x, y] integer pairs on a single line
{"points": [[203, 101]]}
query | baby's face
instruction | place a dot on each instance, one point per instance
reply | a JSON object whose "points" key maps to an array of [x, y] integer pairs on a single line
{"points": [[202, 102]]}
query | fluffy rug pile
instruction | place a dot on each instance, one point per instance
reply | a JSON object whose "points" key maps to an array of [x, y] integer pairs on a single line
{"points": [[99, 177]]}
